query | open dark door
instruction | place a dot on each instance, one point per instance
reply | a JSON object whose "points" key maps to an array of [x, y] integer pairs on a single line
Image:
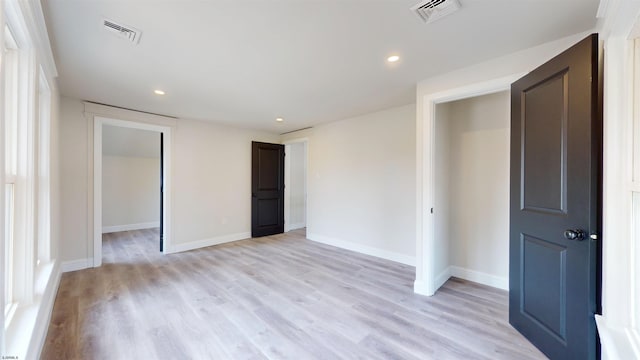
{"points": [[161, 192], [556, 157], [267, 189]]}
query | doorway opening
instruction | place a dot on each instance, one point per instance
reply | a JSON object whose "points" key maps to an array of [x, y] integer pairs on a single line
{"points": [[430, 274], [131, 179], [131, 182], [471, 197], [295, 179]]}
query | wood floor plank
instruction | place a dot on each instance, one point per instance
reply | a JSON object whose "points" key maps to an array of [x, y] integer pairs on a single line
{"points": [[276, 297]]}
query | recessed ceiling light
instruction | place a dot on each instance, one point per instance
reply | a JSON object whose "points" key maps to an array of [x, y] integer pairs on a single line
{"points": [[159, 92], [393, 58], [279, 119]]}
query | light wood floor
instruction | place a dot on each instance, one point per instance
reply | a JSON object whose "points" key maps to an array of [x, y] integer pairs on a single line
{"points": [[278, 297]]}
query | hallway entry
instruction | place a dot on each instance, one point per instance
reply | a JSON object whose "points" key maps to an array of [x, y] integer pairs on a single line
{"points": [[295, 191], [131, 180]]}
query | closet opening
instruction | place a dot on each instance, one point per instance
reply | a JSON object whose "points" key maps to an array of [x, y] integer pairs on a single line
{"points": [[471, 190]]}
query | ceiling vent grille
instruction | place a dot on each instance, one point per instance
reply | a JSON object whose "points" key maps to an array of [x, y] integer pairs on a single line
{"points": [[123, 31], [432, 10]]}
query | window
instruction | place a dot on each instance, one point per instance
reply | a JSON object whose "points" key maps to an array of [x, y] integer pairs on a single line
{"points": [[20, 144], [26, 269], [11, 156], [635, 195]]}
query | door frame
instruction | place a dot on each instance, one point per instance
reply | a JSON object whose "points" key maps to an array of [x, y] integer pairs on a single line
{"points": [[618, 329], [287, 179], [426, 282], [259, 194], [99, 122]]}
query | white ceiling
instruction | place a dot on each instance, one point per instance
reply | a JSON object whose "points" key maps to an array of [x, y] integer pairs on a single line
{"points": [[310, 61], [127, 142]]}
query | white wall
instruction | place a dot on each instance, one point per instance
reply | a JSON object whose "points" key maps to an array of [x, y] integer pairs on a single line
{"points": [[130, 192], [211, 181], [74, 156], [361, 183], [479, 188], [442, 200], [297, 185], [128, 142], [360, 189]]}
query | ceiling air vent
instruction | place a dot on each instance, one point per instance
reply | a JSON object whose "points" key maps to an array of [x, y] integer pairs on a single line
{"points": [[432, 10], [123, 31]]}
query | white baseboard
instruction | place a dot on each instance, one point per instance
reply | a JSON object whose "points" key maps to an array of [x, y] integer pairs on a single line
{"points": [[480, 277], [364, 249], [74, 265], [129, 227], [208, 242], [442, 278], [420, 288], [296, 226]]}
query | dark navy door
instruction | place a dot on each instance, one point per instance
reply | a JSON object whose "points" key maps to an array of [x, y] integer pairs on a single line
{"points": [[556, 156], [267, 189]]}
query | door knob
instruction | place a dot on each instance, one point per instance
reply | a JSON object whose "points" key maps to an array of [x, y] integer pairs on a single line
{"points": [[578, 235]]}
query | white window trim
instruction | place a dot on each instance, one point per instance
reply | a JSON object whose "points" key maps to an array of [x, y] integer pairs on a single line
{"points": [[618, 326], [24, 334], [42, 255], [25, 184], [9, 312], [9, 47], [8, 280], [634, 191], [2, 180]]}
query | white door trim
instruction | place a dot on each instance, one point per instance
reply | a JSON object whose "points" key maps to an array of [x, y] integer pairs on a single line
{"points": [[619, 324], [99, 122], [426, 283], [287, 188]]}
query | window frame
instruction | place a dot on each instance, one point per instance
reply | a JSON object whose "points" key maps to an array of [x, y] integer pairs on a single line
{"points": [[22, 174], [2, 180], [42, 242], [10, 75], [634, 194], [33, 285]]}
